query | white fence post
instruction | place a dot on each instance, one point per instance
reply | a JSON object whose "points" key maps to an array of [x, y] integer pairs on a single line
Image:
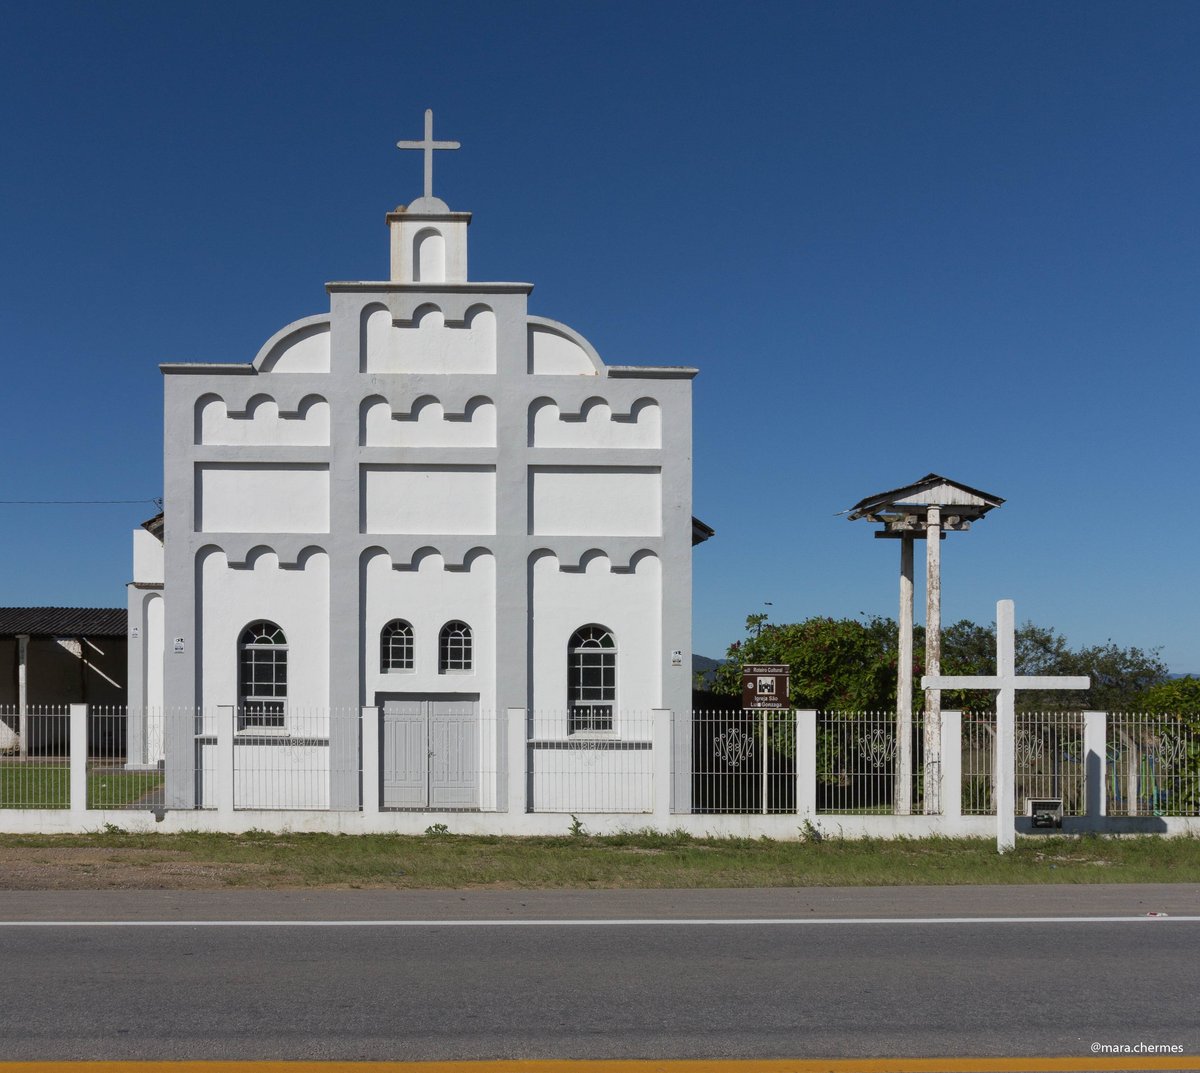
{"points": [[79, 759], [806, 763], [1095, 763], [951, 796], [224, 775], [370, 762], [660, 762], [519, 760]]}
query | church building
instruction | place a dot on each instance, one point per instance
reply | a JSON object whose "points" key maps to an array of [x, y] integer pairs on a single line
{"points": [[425, 500]]}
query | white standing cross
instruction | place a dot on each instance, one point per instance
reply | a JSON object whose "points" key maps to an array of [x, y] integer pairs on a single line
{"points": [[1006, 682], [427, 146]]}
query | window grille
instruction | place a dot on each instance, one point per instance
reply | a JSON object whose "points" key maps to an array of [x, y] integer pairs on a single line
{"points": [[454, 647], [262, 675], [396, 646], [592, 678]]}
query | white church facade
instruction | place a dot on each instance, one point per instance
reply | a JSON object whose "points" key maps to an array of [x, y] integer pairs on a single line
{"points": [[426, 501]]}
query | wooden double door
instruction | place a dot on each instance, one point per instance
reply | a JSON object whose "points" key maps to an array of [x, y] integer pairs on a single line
{"points": [[430, 750]]}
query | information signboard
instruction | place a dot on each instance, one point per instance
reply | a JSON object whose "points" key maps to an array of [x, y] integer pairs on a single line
{"points": [[765, 685]]}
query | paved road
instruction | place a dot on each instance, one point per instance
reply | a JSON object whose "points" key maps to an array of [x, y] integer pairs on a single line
{"points": [[512, 987]]}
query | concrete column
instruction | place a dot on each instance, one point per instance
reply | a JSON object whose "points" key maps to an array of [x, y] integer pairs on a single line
{"points": [[1095, 760], [933, 657], [902, 793], [135, 679], [806, 764], [663, 735], [23, 694], [951, 787], [224, 775], [1005, 795], [79, 759], [517, 760], [371, 772]]}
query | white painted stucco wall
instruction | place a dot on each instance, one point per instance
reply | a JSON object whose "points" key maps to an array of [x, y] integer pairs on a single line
{"points": [[428, 597], [628, 603], [296, 599]]}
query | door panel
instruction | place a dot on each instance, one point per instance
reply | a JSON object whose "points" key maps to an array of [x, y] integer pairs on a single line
{"points": [[454, 755], [405, 755], [430, 751]]}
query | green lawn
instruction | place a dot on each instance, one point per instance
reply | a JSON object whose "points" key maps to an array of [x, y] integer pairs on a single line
{"points": [[36, 784], [634, 860]]}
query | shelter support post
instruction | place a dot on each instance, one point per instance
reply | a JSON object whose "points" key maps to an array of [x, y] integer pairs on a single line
{"points": [[933, 659], [902, 794]]}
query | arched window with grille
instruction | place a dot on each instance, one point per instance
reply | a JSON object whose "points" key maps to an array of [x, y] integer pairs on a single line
{"points": [[591, 678], [454, 648], [262, 675], [396, 646]]}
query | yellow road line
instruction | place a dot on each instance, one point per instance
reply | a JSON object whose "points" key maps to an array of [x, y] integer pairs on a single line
{"points": [[1084, 1064]]}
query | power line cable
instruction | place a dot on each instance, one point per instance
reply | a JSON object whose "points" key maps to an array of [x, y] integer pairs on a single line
{"points": [[68, 502]]}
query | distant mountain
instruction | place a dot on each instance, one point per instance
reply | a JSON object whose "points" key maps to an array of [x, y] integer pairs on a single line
{"points": [[705, 666], [1185, 674]]}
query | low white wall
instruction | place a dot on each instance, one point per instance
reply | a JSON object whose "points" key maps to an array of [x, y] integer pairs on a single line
{"points": [[782, 828]]}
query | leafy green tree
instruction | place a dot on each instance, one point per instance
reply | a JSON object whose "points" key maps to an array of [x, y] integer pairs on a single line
{"points": [[1178, 696], [850, 665], [836, 664]]}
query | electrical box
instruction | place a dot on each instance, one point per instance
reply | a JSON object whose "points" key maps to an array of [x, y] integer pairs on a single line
{"points": [[1045, 811]]}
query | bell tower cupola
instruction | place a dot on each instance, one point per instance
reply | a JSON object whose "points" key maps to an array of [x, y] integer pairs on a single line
{"points": [[428, 241]]}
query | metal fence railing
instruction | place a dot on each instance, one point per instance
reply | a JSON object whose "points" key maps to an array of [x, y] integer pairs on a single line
{"points": [[35, 757], [603, 764], [1153, 764], [978, 752], [743, 761], [1049, 761], [448, 756], [857, 762]]}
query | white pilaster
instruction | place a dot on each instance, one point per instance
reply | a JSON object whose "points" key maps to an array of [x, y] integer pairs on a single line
{"points": [[1095, 761], [371, 771], [518, 759], [79, 759], [951, 788], [806, 764]]}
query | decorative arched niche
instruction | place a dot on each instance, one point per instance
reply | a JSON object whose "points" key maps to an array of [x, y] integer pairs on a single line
{"points": [[429, 256]]}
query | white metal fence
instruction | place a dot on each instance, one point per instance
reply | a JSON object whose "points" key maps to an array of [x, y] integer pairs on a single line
{"points": [[1049, 761], [457, 759], [35, 757], [1153, 763], [606, 768], [743, 762], [858, 766]]}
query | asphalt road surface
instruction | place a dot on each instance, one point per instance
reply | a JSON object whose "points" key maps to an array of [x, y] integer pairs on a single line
{"points": [[634, 974]]}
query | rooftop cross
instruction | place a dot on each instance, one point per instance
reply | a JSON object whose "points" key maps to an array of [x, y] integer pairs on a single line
{"points": [[428, 145], [1006, 682]]}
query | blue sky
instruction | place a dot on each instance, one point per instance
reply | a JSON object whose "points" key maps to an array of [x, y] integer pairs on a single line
{"points": [[895, 238]]}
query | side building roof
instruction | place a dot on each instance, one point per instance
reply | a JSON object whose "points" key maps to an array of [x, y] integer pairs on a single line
{"points": [[64, 621]]}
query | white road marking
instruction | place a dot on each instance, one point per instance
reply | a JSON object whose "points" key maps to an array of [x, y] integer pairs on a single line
{"points": [[688, 922]]}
